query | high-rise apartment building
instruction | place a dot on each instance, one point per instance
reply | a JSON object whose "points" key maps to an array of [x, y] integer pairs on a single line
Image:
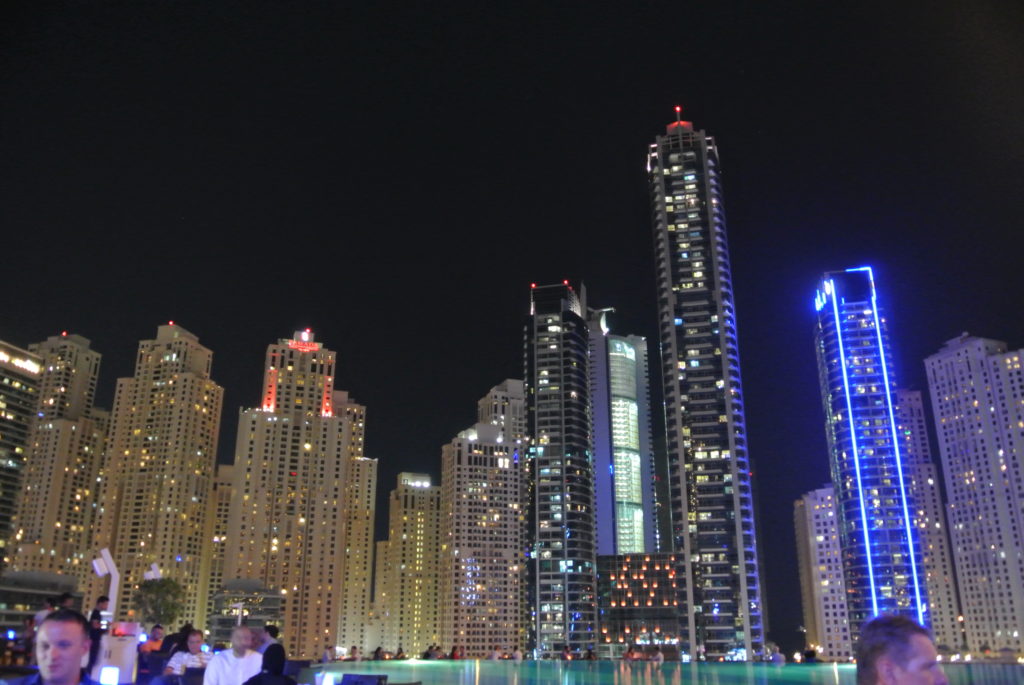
{"points": [[218, 520], [562, 586], [930, 519], [158, 474], [710, 495], [623, 454], [822, 587], [482, 558], [20, 372], [977, 390], [358, 519], [56, 511], [408, 580], [291, 465], [882, 562]]}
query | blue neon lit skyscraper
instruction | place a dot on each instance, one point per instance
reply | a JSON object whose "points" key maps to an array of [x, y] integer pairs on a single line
{"points": [[881, 557]]}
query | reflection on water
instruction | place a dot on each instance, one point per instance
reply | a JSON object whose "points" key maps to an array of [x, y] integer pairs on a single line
{"points": [[633, 673]]}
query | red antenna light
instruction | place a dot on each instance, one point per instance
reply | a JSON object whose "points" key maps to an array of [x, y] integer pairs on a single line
{"points": [[533, 285], [170, 323], [678, 109], [565, 282], [64, 333]]}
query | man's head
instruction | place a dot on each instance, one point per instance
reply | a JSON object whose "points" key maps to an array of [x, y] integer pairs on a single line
{"points": [[50, 603], [61, 643], [272, 631], [241, 640], [195, 641], [894, 650], [66, 600], [157, 633], [103, 603]]}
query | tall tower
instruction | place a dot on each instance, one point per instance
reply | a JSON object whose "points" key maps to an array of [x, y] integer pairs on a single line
{"points": [[822, 588], [710, 493], [160, 465], [358, 521], [54, 523], [20, 373], [408, 579], [930, 520], [218, 521], [882, 558], [623, 455], [291, 462], [482, 527], [562, 587], [977, 389]]}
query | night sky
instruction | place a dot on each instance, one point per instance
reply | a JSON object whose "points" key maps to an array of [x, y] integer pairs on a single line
{"points": [[395, 176]]}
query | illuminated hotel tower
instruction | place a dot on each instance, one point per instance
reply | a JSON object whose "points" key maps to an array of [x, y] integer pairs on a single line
{"points": [[977, 390], [291, 460], [160, 467], [408, 567], [54, 523], [562, 589], [482, 527], [881, 557], [20, 372], [358, 520], [623, 457], [710, 496], [930, 518], [822, 587]]}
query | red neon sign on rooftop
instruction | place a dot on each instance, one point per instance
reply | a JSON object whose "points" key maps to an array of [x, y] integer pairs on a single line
{"points": [[303, 346]]}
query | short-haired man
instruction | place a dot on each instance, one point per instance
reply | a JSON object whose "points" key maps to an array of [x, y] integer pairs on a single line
{"points": [[62, 642], [235, 665], [894, 650]]}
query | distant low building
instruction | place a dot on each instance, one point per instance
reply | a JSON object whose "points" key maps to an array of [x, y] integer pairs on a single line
{"points": [[22, 594], [257, 604]]}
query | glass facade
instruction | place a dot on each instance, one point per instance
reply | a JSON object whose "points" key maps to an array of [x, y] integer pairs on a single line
{"points": [[881, 557], [710, 492], [562, 541]]}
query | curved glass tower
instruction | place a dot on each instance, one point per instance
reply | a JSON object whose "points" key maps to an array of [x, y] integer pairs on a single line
{"points": [[881, 557], [561, 567]]}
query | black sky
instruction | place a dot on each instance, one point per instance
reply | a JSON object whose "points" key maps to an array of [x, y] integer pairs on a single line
{"points": [[395, 176]]}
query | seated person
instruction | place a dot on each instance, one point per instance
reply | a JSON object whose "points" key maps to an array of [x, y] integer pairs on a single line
{"points": [[193, 657]]}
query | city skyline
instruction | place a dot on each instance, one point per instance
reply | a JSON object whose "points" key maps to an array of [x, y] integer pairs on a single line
{"points": [[193, 141]]}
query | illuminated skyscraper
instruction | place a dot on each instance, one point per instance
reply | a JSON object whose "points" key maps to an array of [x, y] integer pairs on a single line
{"points": [[562, 590], [358, 519], [291, 457], [20, 372], [822, 587], [159, 468], [56, 511], [712, 506], [219, 523], [623, 456], [882, 562], [930, 519], [408, 567], [482, 562], [977, 389]]}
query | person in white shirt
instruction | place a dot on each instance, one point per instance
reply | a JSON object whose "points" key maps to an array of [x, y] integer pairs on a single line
{"points": [[517, 655], [495, 654], [656, 656], [193, 657], [236, 665]]}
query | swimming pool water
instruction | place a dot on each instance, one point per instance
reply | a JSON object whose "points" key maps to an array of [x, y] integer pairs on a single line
{"points": [[626, 673]]}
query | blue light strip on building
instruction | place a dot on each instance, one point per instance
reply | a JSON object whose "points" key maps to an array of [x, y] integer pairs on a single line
{"points": [[896, 448], [831, 286]]}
